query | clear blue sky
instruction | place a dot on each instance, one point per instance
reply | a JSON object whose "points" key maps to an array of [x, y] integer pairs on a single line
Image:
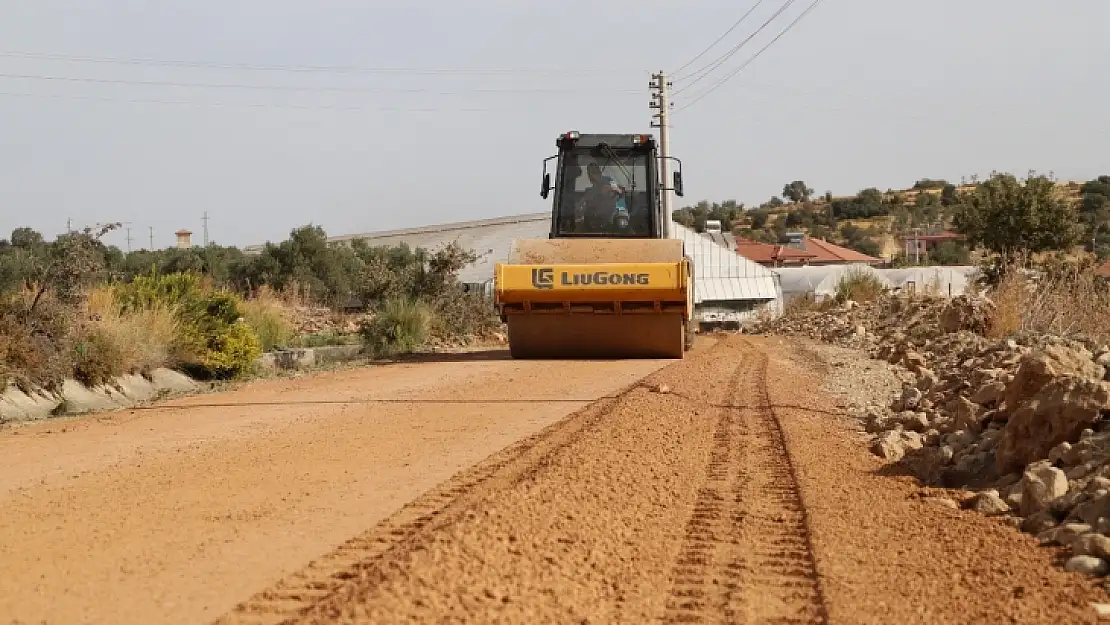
{"points": [[860, 93]]}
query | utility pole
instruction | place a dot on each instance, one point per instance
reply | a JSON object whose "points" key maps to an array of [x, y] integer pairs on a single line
{"points": [[151, 238], [69, 225], [128, 230], [660, 99], [205, 228]]}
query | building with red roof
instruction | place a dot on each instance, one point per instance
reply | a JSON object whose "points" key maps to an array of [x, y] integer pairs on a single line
{"points": [[923, 244], [802, 251]]}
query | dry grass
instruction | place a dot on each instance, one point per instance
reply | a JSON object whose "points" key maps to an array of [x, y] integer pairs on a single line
{"points": [[399, 327], [145, 337], [1069, 304], [859, 286], [267, 312], [800, 305]]}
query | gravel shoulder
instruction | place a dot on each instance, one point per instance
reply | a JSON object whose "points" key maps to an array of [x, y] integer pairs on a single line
{"points": [[173, 514], [891, 551]]}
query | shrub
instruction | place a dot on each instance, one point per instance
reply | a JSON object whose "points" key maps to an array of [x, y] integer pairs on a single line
{"points": [[215, 343], [859, 286], [800, 305], [463, 315], [265, 314], [400, 326], [36, 349], [146, 337], [231, 351], [99, 358], [210, 340], [175, 290]]}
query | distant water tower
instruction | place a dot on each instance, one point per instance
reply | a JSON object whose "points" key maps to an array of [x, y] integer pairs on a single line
{"points": [[184, 239]]}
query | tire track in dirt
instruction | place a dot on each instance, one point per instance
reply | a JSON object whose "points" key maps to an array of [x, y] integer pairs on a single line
{"points": [[784, 581], [702, 580], [359, 559], [747, 554]]}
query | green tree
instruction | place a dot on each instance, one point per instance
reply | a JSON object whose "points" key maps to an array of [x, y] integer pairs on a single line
{"points": [[797, 191], [1006, 215], [866, 245], [950, 253], [26, 238], [868, 203], [870, 197], [949, 196], [927, 183]]}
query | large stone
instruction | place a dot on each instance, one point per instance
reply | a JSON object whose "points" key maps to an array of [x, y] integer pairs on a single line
{"points": [[1060, 412], [889, 446], [876, 422], [1040, 484], [966, 415], [989, 503], [1039, 368], [989, 394], [911, 398], [1091, 511], [1087, 565], [964, 313], [1091, 544], [1039, 522], [1064, 535], [914, 361], [914, 421]]}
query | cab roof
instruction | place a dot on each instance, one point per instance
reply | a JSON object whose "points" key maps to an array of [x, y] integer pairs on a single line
{"points": [[589, 140]]}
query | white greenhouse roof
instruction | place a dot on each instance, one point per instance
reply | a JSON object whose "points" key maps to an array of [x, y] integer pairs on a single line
{"points": [[720, 273], [948, 279], [490, 239], [822, 279]]}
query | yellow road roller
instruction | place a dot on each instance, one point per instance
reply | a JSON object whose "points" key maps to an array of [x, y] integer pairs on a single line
{"points": [[608, 282]]}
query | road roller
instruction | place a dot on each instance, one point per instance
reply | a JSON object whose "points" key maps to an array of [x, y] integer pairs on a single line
{"points": [[608, 282]]}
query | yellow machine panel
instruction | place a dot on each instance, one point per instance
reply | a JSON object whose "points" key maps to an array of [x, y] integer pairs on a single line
{"points": [[638, 282], [561, 305]]}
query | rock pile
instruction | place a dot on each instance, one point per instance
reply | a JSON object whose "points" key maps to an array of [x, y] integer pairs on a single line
{"points": [[308, 320], [1019, 422]]}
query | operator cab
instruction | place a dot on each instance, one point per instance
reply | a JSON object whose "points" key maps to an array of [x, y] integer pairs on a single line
{"points": [[606, 186]]}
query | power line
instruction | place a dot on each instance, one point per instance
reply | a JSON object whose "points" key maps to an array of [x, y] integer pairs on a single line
{"points": [[382, 109], [338, 69], [162, 83], [736, 71], [704, 71], [718, 40]]}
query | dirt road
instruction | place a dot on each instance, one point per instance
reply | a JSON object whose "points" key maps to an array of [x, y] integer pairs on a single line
{"points": [[737, 495], [174, 515]]}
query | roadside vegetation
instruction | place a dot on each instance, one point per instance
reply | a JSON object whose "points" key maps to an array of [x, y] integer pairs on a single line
{"points": [[876, 222], [77, 308], [1036, 243]]}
